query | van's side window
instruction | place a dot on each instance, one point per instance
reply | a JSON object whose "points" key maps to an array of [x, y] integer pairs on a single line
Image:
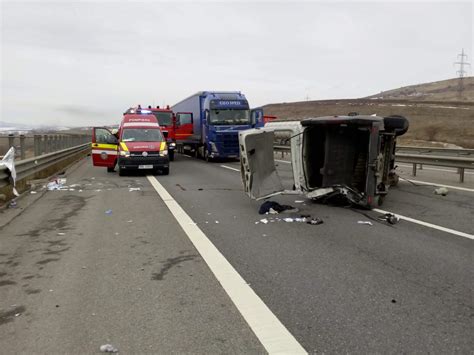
{"points": [[104, 136]]}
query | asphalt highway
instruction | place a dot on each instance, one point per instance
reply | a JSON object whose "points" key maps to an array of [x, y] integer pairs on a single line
{"points": [[106, 263]]}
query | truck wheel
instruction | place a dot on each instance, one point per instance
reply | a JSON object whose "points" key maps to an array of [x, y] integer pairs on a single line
{"points": [[110, 169], [171, 155], [206, 156], [165, 171]]}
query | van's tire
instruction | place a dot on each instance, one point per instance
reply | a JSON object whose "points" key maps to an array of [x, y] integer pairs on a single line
{"points": [[397, 124], [165, 171], [110, 169]]}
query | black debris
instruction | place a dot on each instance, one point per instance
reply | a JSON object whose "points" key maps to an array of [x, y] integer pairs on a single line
{"points": [[267, 205], [315, 221]]}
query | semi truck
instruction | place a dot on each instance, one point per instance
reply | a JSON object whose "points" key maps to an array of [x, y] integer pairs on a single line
{"points": [[166, 120], [208, 123]]}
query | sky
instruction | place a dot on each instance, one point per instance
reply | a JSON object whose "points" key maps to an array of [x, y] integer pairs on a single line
{"points": [[84, 63]]}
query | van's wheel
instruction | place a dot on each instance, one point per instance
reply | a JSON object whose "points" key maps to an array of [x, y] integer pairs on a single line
{"points": [[110, 169], [165, 171], [121, 172]]}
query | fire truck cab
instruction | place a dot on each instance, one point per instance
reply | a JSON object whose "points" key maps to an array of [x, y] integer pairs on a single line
{"points": [[138, 145], [166, 120]]}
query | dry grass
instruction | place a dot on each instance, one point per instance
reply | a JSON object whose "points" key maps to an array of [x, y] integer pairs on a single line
{"points": [[450, 122]]}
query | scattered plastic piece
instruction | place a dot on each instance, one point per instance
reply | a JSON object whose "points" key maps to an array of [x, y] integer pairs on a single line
{"points": [[315, 221], [300, 219], [264, 220], [288, 220], [272, 211], [109, 212], [17, 314], [133, 189], [116, 233], [365, 222], [61, 233], [33, 192], [217, 222], [12, 204], [108, 348], [299, 201], [443, 191], [390, 218], [130, 221]]}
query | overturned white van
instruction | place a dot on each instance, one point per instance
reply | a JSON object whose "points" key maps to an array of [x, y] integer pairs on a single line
{"points": [[336, 157]]}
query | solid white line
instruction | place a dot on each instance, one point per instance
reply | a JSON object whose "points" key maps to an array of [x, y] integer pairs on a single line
{"points": [[230, 168], [283, 161], [430, 225], [269, 330], [435, 169], [435, 184]]}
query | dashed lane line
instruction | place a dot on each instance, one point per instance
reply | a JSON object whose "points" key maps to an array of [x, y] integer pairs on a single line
{"points": [[267, 327], [440, 185], [230, 168]]}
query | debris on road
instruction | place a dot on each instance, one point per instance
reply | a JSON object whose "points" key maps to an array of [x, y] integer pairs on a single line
{"points": [[365, 222], [134, 189], [275, 206], [264, 220], [108, 348], [57, 184], [130, 221], [61, 233], [443, 191], [315, 221], [217, 222], [33, 192], [289, 220], [108, 212], [12, 204], [390, 218], [299, 201]]}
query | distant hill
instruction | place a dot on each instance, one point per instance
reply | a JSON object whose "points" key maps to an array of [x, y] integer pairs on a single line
{"points": [[444, 90], [435, 114]]}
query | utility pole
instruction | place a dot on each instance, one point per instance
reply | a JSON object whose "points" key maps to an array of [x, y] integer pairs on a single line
{"points": [[461, 72]]}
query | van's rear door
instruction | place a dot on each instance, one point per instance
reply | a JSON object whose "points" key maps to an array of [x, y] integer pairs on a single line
{"points": [[104, 147], [259, 174]]}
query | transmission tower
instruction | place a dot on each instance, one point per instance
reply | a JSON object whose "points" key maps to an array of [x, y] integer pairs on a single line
{"points": [[461, 72]]}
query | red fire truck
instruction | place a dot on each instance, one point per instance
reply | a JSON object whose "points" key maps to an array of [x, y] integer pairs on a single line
{"points": [[166, 121]]}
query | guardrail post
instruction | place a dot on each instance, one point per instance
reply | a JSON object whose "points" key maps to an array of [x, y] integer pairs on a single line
{"points": [[421, 166], [44, 144], [461, 174], [63, 142], [11, 141], [37, 144], [414, 169], [22, 147]]}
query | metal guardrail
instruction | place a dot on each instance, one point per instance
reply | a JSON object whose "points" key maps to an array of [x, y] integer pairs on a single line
{"points": [[27, 167], [454, 158], [436, 151]]}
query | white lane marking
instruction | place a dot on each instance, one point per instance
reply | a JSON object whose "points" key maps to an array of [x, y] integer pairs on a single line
{"points": [[267, 327], [430, 225], [435, 169], [230, 168], [283, 161], [435, 184]]}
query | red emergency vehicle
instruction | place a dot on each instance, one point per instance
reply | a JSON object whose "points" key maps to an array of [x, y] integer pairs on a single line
{"points": [[138, 144], [166, 120]]}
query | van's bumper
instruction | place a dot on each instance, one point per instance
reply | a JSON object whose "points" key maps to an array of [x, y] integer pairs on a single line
{"points": [[145, 163]]}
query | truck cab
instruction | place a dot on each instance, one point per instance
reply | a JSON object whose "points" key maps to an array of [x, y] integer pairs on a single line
{"points": [[137, 145], [343, 158]]}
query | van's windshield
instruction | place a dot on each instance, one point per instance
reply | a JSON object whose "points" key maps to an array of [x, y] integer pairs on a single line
{"points": [[142, 135]]}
